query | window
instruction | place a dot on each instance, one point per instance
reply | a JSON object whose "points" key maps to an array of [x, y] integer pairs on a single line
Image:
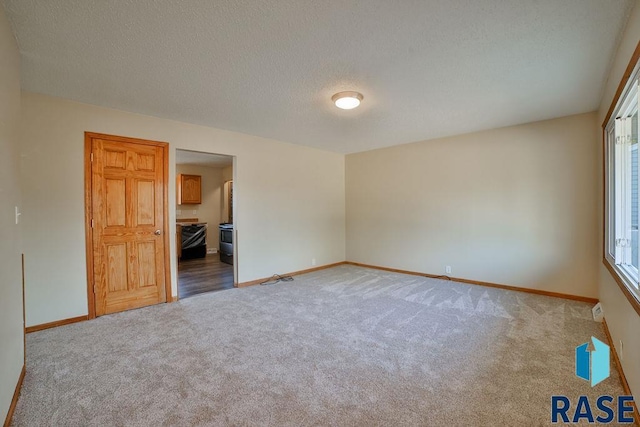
{"points": [[622, 216]]}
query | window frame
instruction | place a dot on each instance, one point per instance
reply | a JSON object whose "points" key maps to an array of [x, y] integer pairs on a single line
{"points": [[620, 103]]}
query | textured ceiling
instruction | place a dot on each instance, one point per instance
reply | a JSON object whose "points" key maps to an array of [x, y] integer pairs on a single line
{"points": [[187, 157], [426, 68]]}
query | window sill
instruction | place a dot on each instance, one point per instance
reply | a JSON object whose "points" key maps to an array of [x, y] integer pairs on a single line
{"points": [[620, 279]]}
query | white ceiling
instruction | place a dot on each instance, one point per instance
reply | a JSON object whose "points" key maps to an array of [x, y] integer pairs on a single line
{"points": [[186, 157], [426, 68]]}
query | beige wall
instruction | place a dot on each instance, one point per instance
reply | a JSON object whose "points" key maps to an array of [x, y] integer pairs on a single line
{"points": [[210, 210], [622, 319], [11, 326], [227, 173], [514, 206], [289, 198]]}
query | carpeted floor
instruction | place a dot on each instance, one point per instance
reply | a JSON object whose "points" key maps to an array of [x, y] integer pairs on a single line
{"points": [[346, 346]]}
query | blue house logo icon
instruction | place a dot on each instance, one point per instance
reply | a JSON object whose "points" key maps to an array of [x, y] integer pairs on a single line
{"points": [[593, 365]]}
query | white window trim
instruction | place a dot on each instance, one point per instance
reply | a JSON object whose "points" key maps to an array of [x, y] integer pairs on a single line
{"points": [[616, 254]]}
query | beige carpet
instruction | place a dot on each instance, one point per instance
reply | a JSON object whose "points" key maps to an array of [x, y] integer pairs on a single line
{"points": [[347, 346]]}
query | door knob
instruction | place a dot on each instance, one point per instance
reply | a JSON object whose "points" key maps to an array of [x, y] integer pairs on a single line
{"points": [[158, 232]]}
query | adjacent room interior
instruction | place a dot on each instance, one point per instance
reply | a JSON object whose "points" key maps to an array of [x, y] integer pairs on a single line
{"points": [[318, 213], [204, 222]]}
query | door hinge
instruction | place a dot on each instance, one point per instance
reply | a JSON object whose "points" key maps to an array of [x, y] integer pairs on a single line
{"points": [[91, 222], [92, 157]]}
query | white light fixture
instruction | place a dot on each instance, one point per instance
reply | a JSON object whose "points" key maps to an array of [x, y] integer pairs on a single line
{"points": [[347, 100]]}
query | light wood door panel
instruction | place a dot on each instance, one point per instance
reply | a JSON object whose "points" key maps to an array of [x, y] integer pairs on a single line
{"points": [[146, 202], [128, 211], [114, 202], [116, 271]]}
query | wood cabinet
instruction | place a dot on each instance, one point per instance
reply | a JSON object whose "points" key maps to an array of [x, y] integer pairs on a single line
{"points": [[189, 189]]}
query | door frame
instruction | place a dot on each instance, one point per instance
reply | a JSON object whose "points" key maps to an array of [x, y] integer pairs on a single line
{"points": [[234, 168], [88, 136]]}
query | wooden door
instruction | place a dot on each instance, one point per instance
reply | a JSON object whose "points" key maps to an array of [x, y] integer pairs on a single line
{"points": [[128, 223]]}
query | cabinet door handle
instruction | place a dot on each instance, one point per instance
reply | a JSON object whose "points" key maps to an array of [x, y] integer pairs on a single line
{"points": [[158, 232]]}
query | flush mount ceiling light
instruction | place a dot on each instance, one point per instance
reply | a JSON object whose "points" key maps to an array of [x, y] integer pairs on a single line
{"points": [[347, 100]]}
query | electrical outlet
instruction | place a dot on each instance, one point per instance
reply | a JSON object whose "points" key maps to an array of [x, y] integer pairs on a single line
{"points": [[447, 269], [313, 261], [621, 350]]}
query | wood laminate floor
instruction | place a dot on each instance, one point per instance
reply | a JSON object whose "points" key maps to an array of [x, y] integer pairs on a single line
{"points": [[199, 275]]}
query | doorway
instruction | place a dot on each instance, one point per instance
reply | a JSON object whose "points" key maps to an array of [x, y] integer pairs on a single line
{"points": [[204, 222], [126, 220]]}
